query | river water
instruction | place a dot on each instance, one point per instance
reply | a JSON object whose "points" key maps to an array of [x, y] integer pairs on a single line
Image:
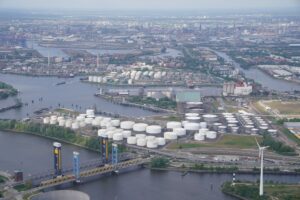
{"points": [[73, 93], [260, 77], [33, 155]]}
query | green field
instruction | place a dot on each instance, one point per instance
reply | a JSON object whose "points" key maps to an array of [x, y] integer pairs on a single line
{"points": [[226, 141]]}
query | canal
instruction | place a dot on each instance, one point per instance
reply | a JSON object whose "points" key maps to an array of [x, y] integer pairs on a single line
{"points": [[261, 77]]}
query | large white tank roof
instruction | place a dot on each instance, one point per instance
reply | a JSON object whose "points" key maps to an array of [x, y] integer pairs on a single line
{"points": [[139, 127], [153, 129], [173, 124], [141, 142], [192, 126], [131, 140], [170, 136], [127, 125], [179, 131]]}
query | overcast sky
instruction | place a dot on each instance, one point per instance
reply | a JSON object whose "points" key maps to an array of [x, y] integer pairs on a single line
{"points": [[149, 4]]}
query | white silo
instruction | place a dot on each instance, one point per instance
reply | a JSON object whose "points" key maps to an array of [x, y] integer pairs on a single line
{"points": [[118, 137], [139, 127], [126, 134], [152, 144], [170, 136], [179, 131], [161, 141], [153, 129], [199, 137], [211, 135], [141, 142], [131, 140], [173, 124], [46, 120], [127, 125]]}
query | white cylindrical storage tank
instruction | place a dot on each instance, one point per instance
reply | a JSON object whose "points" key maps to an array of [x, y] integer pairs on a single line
{"points": [[248, 128], [139, 127], [209, 118], [126, 134], [161, 141], [102, 132], [90, 113], [222, 129], [131, 140], [110, 134], [153, 129], [272, 131], [170, 136], [235, 130], [193, 119], [75, 126], [138, 136], [173, 124], [150, 137], [127, 125], [46, 120], [88, 120], [179, 131], [203, 131], [118, 137], [141, 142], [203, 125], [68, 124], [216, 125], [199, 137], [152, 144], [115, 122], [192, 126], [53, 121], [60, 118], [191, 115], [61, 122], [53, 117], [96, 122], [211, 134], [254, 131]]}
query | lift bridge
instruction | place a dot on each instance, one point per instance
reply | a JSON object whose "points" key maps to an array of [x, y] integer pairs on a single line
{"points": [[80, 171]]}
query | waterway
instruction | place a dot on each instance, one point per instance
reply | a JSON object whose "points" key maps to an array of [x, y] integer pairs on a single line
{"points": [[33, 155], [73, 93], [260, 77], [68, 95]]}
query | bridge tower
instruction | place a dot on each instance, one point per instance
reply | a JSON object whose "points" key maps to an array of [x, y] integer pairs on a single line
{"points": [[104, 148], [114, 155], [76, 167], [57, 159]]}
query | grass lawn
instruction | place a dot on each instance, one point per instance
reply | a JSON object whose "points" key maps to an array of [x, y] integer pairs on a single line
{"points": [[226, 141], [285, 107], [291, 192], [271, 191]]}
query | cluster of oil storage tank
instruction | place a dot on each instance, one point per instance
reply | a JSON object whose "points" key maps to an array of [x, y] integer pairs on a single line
{"points": [[82, 120], [134, 75], [140, 134], [254, 124], [97, 79]]}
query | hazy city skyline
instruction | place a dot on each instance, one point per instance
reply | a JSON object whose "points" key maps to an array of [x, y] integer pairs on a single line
{"points": [[149, 5]]}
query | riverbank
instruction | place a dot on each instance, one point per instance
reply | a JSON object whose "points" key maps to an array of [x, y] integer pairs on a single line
{"points": [[250, 191], [222, 170]]}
